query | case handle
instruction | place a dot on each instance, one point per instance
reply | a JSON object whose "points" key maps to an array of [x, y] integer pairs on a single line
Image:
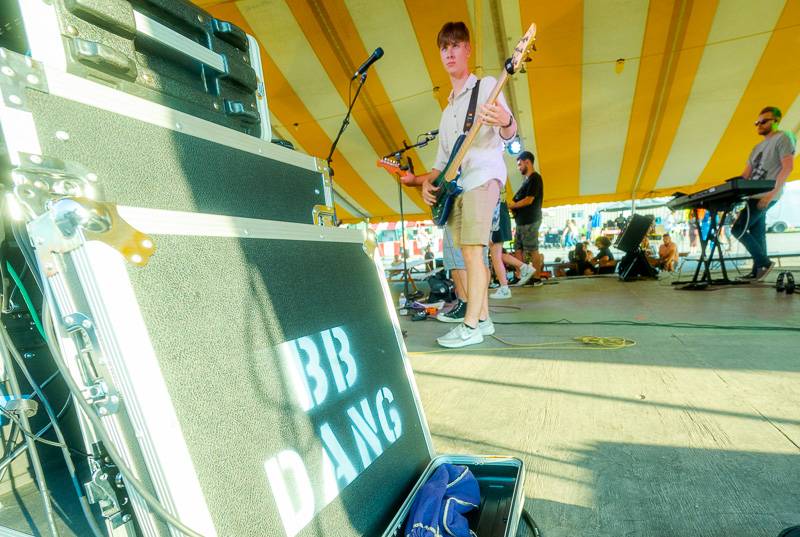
{"points": [[145, 26]]}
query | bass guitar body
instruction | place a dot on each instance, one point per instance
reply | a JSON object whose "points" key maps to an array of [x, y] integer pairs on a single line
{"points": [[448, 190]]}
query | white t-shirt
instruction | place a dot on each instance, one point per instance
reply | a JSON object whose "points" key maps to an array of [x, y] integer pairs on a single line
{"points": [[484, 160]]}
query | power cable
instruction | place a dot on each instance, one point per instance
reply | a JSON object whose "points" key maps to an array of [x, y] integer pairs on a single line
{"points": [[586, 343], [528, 519], [130, 478], [99, 430], [5, 339], [16, 451], [567, 322]]}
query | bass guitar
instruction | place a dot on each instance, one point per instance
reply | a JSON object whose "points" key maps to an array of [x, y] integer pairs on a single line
{"points": [[447, 180]]}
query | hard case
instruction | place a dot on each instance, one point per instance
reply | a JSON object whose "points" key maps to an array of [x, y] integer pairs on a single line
{"points": [[245, 360], [167, 51], [141, 153]]}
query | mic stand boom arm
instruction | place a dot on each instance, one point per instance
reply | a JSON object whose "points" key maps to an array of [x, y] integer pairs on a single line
{"points": [[345, 123], [428, 139]]}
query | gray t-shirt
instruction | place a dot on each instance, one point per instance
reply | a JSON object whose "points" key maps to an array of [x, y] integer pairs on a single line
{"points": [[765, 159]]}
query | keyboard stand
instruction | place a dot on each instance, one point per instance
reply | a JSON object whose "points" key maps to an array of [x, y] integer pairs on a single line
{"points": [[699, 282]]}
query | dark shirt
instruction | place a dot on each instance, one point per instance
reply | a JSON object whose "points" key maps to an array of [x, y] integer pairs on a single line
{"points": [[531, 186], [604, 252], [577, 257]]}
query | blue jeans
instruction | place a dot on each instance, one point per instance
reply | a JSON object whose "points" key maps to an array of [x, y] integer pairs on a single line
{"points": [[750, 229], [451, 255]]}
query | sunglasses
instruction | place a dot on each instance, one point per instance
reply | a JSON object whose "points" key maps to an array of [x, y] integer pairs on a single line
{"points": [[762, 121]]}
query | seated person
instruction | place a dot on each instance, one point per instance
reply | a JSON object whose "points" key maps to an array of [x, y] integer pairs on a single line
{"points": [[579, 264], [649, 252], [667, 254], [603, 262]]}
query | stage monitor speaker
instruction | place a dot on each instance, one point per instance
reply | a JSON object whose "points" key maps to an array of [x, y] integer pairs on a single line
{"points": [[634, 233]]}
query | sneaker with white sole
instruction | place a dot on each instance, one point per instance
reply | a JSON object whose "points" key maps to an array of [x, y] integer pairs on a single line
{"points": [[455, 315], [486, 327], [526, 272], [502, 292], [461, 336]]}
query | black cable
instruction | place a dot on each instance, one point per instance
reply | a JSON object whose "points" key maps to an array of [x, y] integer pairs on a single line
{"points": [[97, 425], [528, 519], [567, 322], [37, 438], [9, 344], [19, 448]]}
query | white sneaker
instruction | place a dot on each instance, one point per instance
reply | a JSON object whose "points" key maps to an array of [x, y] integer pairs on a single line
{"points": [[502, 292], [526, 272], [486, 327], [461, 336]]}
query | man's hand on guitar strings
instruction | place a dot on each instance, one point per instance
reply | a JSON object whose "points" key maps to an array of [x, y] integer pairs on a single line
{"points": [[429, 192]]}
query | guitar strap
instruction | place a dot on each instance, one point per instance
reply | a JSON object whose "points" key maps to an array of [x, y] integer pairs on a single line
{"points": [[473, 104]]}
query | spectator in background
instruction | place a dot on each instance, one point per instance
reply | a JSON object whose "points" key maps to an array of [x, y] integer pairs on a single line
{"points": [[603, 262], [430, 263], [578, 265], [503, 234], [526, 206], [667, 254], [569, 234]]}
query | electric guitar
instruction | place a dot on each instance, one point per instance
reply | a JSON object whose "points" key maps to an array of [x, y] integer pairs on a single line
{"points": [[394, 166], [447, 180]]}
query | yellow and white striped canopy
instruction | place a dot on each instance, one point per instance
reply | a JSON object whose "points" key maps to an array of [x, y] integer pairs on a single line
{"points": [[624, 98]]}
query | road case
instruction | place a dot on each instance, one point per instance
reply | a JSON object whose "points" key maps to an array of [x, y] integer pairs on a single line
{"points": [[168, 51], [141, 153]]}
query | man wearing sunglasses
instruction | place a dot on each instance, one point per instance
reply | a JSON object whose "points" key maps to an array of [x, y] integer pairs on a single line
{"points": [[771, 160]]}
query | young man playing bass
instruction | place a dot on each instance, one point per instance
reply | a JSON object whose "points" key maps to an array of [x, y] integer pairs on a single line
{"points": [[483, 173]]}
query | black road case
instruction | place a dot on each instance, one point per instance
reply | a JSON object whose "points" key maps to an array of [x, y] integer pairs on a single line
{"points": [[167, 51]]}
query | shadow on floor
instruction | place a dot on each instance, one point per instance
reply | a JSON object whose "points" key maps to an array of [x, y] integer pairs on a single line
{"points": [[637, 490]]}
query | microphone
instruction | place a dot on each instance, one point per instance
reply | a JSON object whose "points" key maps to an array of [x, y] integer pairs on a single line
{"points": [[375, 56]]}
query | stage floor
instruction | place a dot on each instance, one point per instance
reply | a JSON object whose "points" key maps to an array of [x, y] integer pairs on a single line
{"points": [[691, 432]]}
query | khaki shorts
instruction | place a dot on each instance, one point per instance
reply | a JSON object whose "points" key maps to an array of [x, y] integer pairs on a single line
{"points": [[471, 219]]}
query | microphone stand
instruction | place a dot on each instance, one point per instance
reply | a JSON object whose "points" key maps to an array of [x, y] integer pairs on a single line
{"points": [[345, 122], [397, 154]]}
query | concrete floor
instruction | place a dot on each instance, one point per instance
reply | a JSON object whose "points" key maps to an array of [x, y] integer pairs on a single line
{"points": [[691, 432]]}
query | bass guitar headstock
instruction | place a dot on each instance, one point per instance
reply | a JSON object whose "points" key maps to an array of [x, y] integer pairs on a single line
{"points": [[522, 51]]}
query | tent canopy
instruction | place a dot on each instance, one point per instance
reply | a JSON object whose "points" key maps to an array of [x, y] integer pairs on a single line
{"points": [[624, 98]]}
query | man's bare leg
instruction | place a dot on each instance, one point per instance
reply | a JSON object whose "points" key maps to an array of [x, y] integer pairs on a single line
{"points": [[519, 256], [477, 283], [498, 262], [485, 307], [512, 260]]}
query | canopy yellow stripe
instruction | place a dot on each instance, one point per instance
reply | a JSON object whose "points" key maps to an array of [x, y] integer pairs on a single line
{"points": [[427, 19], [555, 78], [332, 34], [289, 109], [701, 17], [775, 82], [664, 30]]}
